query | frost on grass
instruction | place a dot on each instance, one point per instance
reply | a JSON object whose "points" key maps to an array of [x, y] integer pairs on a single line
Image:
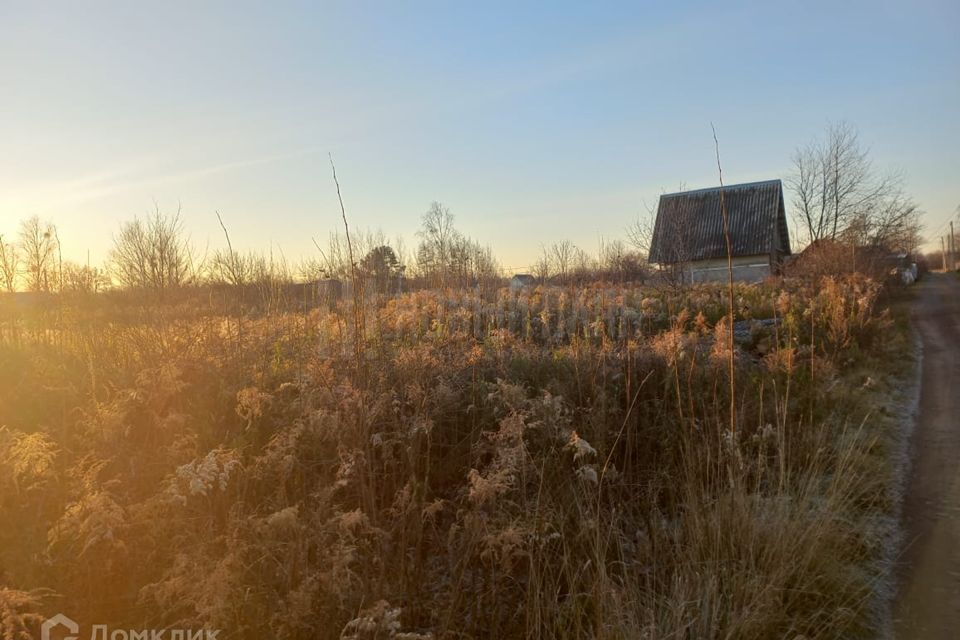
{"points": [[251, 474], [201, 478]]}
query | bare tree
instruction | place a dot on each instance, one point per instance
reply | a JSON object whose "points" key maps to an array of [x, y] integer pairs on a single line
{"points": [[473, 263], [233, 267], [541, 269], [9, 265], [673, 239], [237, 269], [640, 232], [152, 253], [437, 237], [565, 263], [837, 192], [446, 257], [83, 279], [617, 263], [562, 256], [558, 261], [892, 222], [583, 266], [38, 241], [676, 248]]}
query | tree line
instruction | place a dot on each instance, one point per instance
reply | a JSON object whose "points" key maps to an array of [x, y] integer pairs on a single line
{"points": [[155, 253], [838, 197]]}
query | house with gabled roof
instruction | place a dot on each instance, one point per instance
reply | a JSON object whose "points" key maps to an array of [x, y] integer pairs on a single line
{"points": [[522, 281], [688, 236]]}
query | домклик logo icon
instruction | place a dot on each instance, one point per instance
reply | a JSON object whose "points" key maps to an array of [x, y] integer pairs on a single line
{"points": [[59, 620]]}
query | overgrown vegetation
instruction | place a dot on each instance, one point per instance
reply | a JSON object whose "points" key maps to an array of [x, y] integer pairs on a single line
{"points": [[477, 463]]}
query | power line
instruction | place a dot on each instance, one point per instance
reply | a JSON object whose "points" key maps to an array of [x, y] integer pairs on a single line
{"points": [[944, 224]]}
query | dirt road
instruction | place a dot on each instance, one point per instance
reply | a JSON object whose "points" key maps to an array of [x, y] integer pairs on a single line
{"points": [[928, 602]]}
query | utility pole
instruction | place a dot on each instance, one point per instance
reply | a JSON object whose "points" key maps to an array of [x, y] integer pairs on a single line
{"points": [[953, 248], [943, 254]]}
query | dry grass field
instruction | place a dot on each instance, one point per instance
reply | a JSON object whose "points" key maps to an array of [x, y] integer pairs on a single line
{"points": [[549, 463]]}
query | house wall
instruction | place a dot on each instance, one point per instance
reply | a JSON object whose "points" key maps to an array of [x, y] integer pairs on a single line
{"points": [[745, 269], [519, 283]]}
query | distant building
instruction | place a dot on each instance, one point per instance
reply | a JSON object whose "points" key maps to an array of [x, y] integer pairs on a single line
{"points": [[325, 292], [522, 280], [688, 234], [328, 291]]}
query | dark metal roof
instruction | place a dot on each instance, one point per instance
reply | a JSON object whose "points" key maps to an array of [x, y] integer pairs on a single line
{"points": [[689, 224]]}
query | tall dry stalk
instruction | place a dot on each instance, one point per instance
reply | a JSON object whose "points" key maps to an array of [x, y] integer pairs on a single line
{"points": [[726, 236], [359, 321], [232, 265]]}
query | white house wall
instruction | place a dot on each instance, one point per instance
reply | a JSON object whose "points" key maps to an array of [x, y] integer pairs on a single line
{"points": [[745, 269]]}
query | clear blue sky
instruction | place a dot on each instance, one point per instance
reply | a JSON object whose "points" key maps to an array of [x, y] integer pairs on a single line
{"points": [[533, 123]]}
